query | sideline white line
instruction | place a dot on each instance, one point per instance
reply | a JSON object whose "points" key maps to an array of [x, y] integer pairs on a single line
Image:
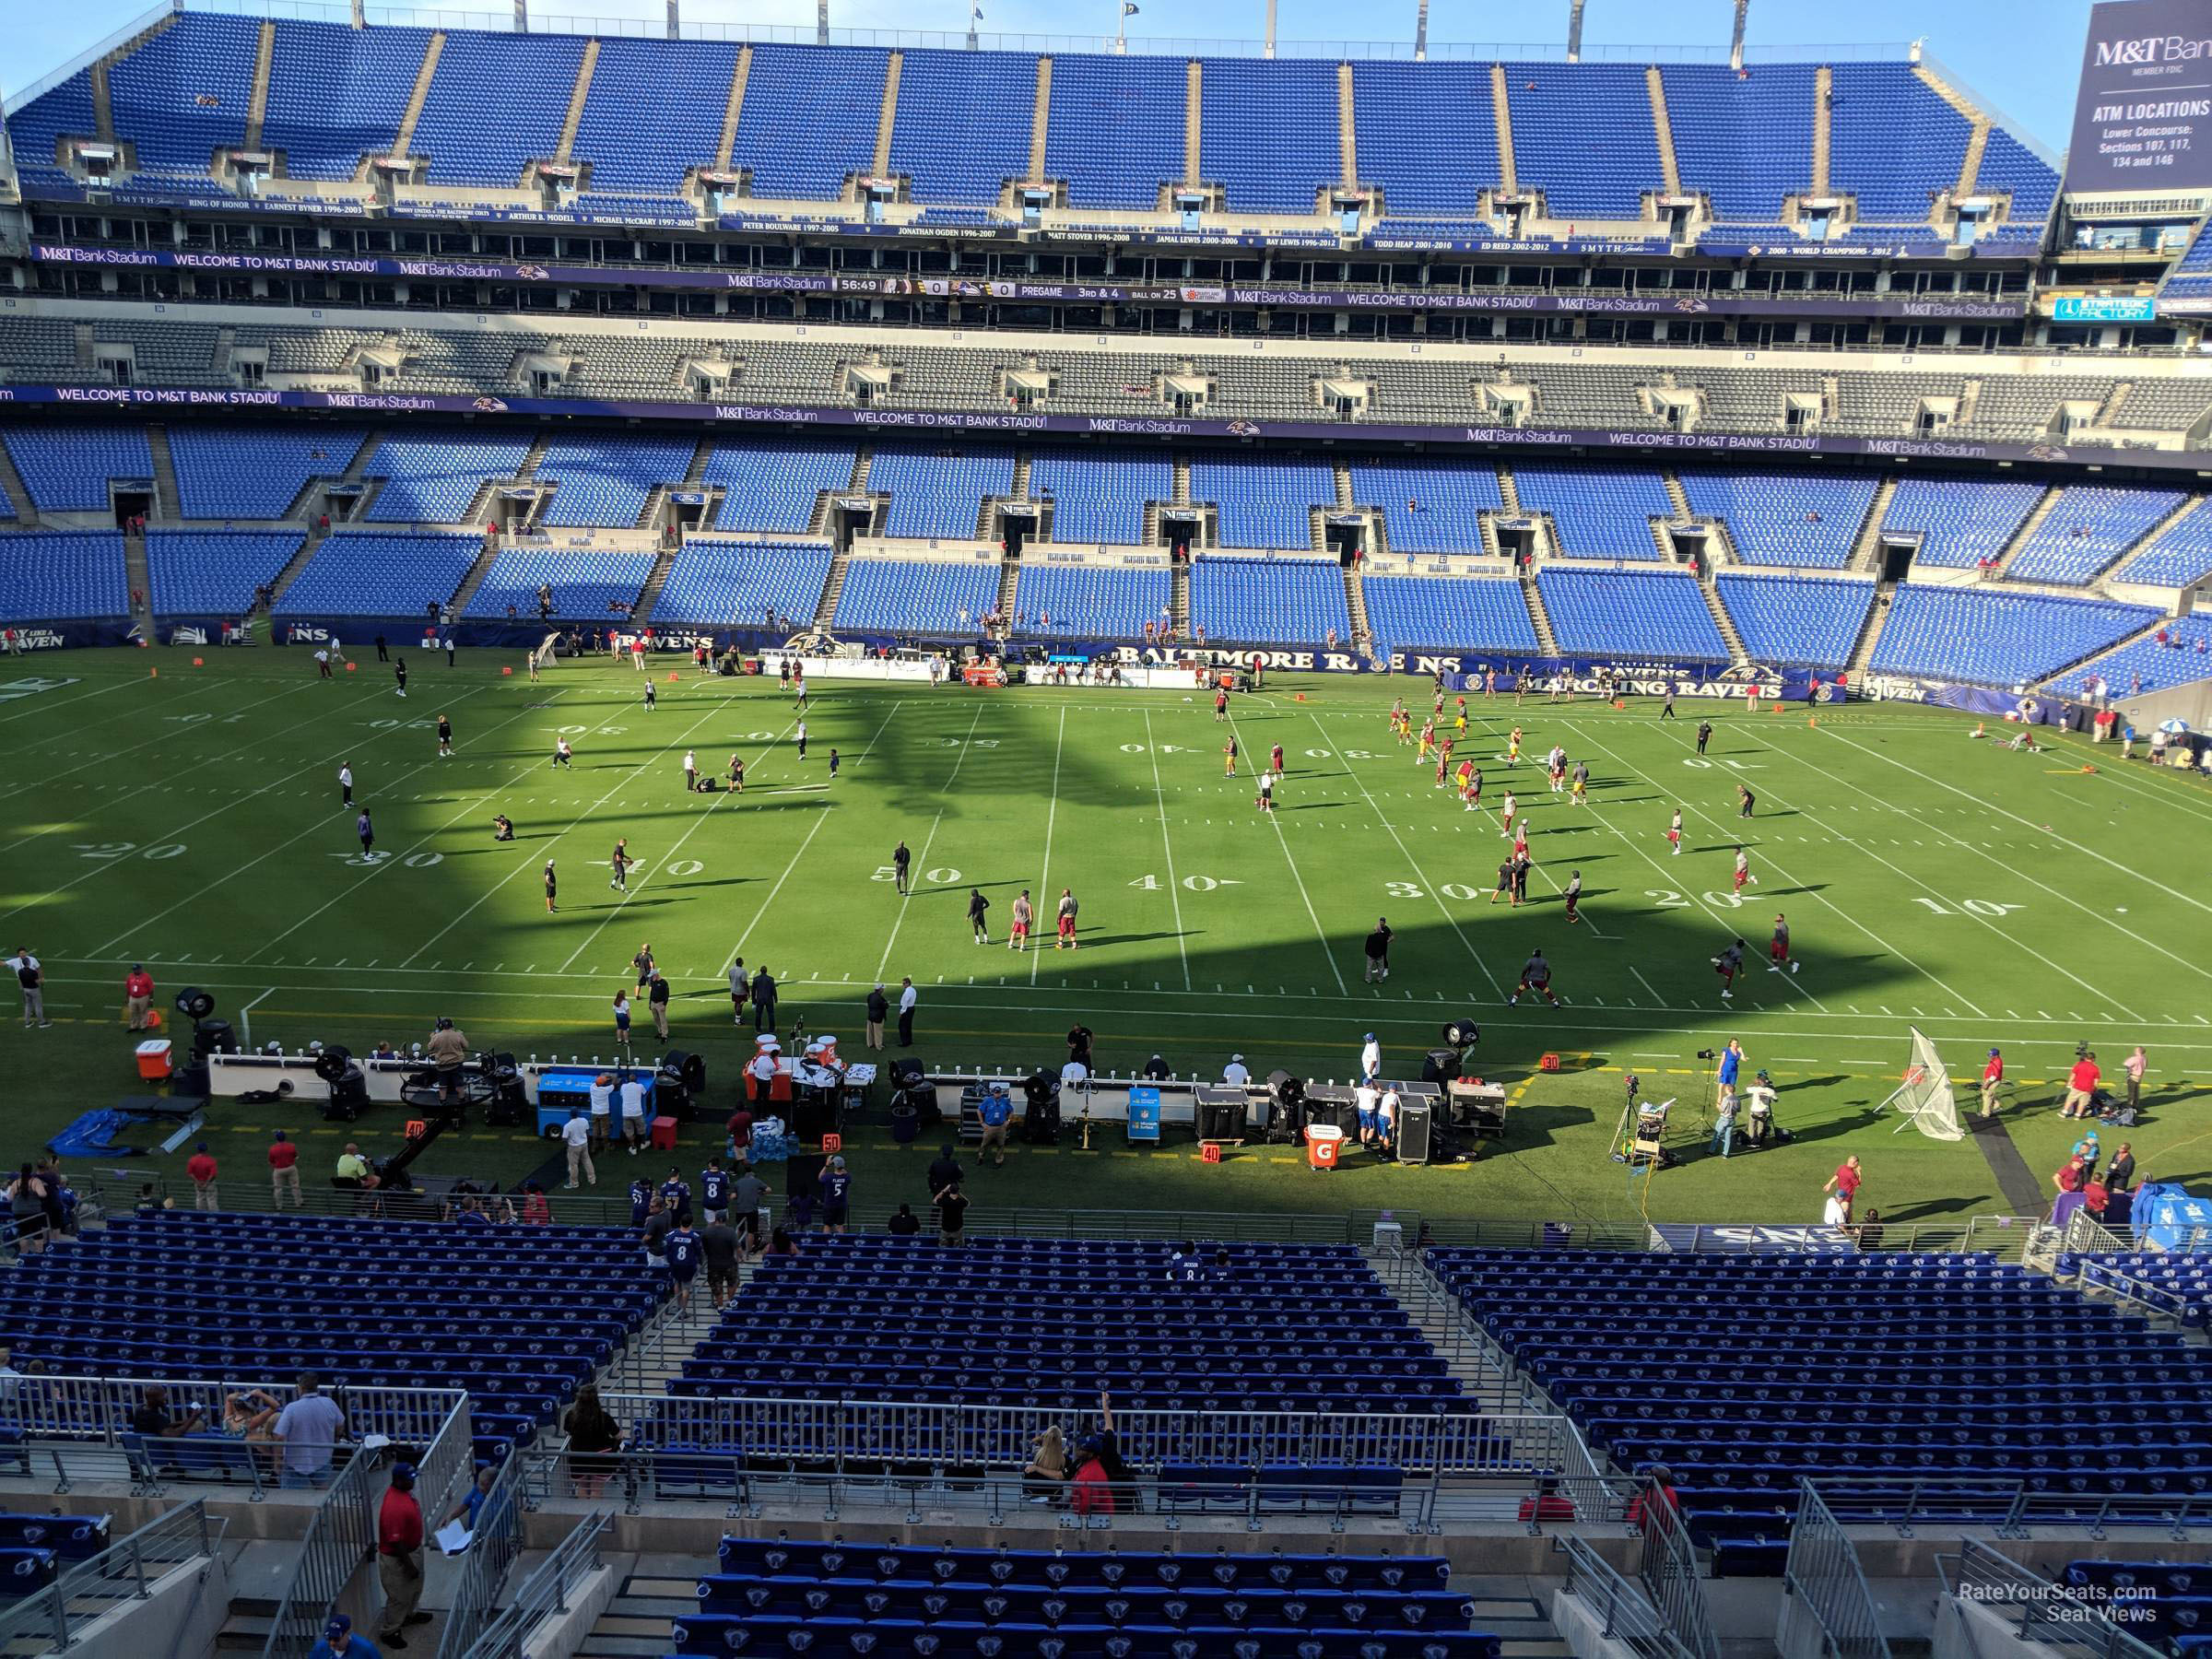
{"points": [[1044, 882], [1167, 846], [899, 915], [1390, 830], [2016, 818], [820, 819]]}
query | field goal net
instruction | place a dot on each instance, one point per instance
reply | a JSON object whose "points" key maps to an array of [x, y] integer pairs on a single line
{"points": [[544, 656], [1923, 1097]]}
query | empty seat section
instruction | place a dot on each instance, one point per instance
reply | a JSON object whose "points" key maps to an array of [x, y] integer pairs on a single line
{"points": [[337, 94], [2150, 664], [1804, 621], [1088, 601], [2087, 528], [654, 112], [1892, 140], [918, 595], [1427, 135], [431, 478], [1051, 1321], [8, 505], [256, 472], [608, 481], [1265, 501], [1100, 495], [743, 584], [1616, 613], [939, 493], [1960, 522], [257, 1296], [1597, 514], [2179, 555], [1582, 134], [962, 128], [774, 487], [588, 584], [1115, 128], [1744, 138], [1428, 506], [1783, 521], [2008, 165], [1996, 638], [1267, 131], [182, 94], [1446, 613], [497, 102], [1268, 601], [214, 573], [53, 575], [67, 468], [809, 119], [37, 128], [371, 576]]}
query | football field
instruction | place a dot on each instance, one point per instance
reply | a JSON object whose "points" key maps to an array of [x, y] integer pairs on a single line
{"points": [[191, 818]]}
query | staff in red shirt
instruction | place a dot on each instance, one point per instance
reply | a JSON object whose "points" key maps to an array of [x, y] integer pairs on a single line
{"points": [[138, 997], [399, 1556], [2081, 1087], [1846, 1180], [284, 1170], [201, 1167], [1993, 1078]]}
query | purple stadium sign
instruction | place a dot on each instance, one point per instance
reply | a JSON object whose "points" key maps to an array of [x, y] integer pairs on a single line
{"points": [[2143, 112]]}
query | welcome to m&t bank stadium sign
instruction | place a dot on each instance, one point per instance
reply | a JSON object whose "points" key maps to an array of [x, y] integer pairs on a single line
{"points": [[2142, 114]]}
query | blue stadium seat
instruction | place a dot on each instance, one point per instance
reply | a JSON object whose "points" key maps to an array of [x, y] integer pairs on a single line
{"points": [[587, 582], [1582, 134], [1268, 601], [2181, 659], [939, 492], [253, 472], [2179, 556], [1058, 600], [1449, 613], [68, 468], [608, 479], [1796, 621], [962, 128], [809, 119], [337, 94], [1745, 137], [1267, 131], [1265, 501], [1996, 638], [1598, 514], [1960, 522], [1428, 506], [1893, 142], [478, 72], [431, 476], [59, 575], [1100, 495], [214, 573], [772, 486], [654, 112], [1777, 520], [1115, 128], [183, 94], [1428, 133], [2087, 528], [918, 596], [742, 584], [357, 573], [1620, 613]]}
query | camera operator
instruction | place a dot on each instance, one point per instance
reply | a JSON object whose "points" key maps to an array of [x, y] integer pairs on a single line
{"points": [[1760, 1102], [448, 1050]]}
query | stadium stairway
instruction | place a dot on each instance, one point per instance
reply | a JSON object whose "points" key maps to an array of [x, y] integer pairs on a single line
{"points": [[168, 503], [1977, 123], [1508, 491], [2026, 532], [1501, 111], [2149, 628], [734, 107], [1867, 552], [1180, 590], [826, 607], [1664, 128], [1738, 655], [1824, 81], [257, 100], [1870, 630], [1355, 604], [650, 596], [139, 576], [1009, 584], [402, 142], [1547, 642], [474, 580]]}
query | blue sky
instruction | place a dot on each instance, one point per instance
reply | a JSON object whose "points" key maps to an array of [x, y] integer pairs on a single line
{"points": [[2021, 55]]}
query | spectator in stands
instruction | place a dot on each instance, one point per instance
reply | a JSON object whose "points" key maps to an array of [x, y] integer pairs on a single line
{"points": [[1044, 1476], [470, 1510], [249, 1415], [154, 1418], [722, 1247], [2073, 1175], [138, 997], [1844, 1183], [653, 1236], [781, 1243], [952, 1213], [399, 1539], [1091, 1492], [309, 1427], [537, 1209], [201, 1167], [1657, 1503], [905, 1224], [27, 1207], [1546, 1504], [593, 1436], [749, 1207], [284, 1170]]}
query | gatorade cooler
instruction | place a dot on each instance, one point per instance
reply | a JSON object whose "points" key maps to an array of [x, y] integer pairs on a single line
{"points": [[153, 1059], [1324, 1142]]}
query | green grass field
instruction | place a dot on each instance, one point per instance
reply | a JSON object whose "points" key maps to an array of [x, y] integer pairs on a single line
{"points": [[191, 818]]}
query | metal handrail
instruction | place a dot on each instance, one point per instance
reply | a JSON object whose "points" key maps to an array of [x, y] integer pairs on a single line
{"points": [[1670, 1575], [546, 1590], [124, 1571], [2008, 1505], [1823, 1571], [494, 1543], [1623, 1611], [2051, 1615]]}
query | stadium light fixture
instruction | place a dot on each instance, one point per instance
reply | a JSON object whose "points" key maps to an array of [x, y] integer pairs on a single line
{"points": [[1575, 32], [1736, 43], [1420, 33]]}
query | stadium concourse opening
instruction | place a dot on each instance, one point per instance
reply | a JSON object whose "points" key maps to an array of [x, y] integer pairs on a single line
{"points": [[1337, 740]]}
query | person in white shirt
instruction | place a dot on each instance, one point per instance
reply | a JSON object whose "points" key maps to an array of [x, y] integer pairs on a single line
{"points": [[690, 772], [761, 1068], [633, 1112], [1371, 1058], [1836, 1212], [576, 1136], [1073, 1074], [907, 999], [1235, 1074], [1367, 1099], [346, 783], [603, 1109]]}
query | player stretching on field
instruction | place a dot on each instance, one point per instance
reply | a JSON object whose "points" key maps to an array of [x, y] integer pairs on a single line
{"points": [[1674, 834], [1554, 764], [1743, 869], [1536, 975], [1505, 880], [1275, 759], [1025, 914], [1428, 742], [1728, 964], [1513, 747], [1778, 948], [1509, 806], [1067, 922]]}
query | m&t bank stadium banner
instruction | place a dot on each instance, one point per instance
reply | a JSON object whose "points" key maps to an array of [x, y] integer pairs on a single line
{"points": [[2143, 114]]}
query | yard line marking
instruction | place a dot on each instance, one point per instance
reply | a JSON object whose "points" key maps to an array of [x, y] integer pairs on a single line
{"points": [[1044, 882], [898, 914], [820, 819], [1283, 842], [1647, 984], [1168, 845], [294, 839], [2016, 818], [68, 702], [2012, 870], [530, 859]]}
